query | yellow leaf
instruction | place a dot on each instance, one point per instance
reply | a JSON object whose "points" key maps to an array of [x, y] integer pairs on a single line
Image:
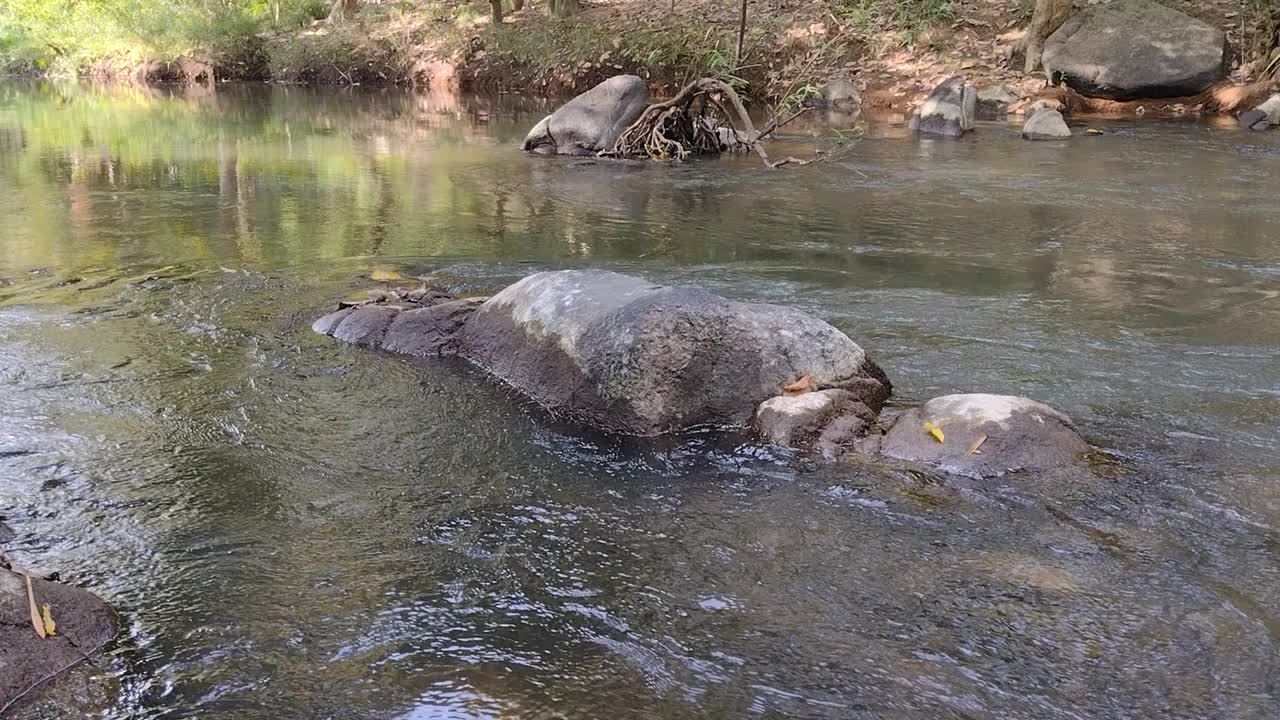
{"points": [[36, 622], [385, 276], [50, 626], [934, 431], [1093, 131]]}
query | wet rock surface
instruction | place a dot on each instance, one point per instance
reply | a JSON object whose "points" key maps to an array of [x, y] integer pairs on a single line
{"points": [[985, 436], [432, 330], [1134, 49], [32, 667]]}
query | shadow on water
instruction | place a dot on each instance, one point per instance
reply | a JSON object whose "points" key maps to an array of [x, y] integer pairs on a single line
{"points": [[293, 527]]}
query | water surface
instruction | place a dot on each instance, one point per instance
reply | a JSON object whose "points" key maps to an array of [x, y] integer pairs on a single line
{"points": [[295, 528]]}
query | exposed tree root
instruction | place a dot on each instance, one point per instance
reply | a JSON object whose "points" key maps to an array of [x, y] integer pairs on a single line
{"points": [[696, 122], [1224, 98]]}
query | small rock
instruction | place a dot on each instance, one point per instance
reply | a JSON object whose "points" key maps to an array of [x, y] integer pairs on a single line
{"points": [[994, 101], [1020, 434], [839, 93], [1046, 124], [1268, 111], [948, 111], [825, 420]]}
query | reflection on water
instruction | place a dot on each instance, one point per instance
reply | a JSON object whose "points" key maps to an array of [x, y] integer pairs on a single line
{"points": [[297, 528]]}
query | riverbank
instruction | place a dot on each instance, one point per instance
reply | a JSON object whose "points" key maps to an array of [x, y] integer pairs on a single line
{"points": [[894, 51]]}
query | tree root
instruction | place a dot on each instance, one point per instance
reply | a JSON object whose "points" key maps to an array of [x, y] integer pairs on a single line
{"points": [[1225, 98], [697, 122]]}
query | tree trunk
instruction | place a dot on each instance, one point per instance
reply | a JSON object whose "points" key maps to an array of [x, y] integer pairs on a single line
{"points": [[496, 6], [565, 8], [1049, 16], [742, 31], [342, 9]]}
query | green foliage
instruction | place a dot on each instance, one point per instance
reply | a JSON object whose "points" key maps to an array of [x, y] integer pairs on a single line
{"points": [[64, 35]]}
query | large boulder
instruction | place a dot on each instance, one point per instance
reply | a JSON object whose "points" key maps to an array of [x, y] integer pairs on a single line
{"points": [[1135, 49], [985, 436], [1046, 124], [84, 624], [628, 356], [948, 111], [592, 121]]}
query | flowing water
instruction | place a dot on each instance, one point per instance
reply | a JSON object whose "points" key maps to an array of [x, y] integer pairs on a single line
{"points": [[293, 528]]}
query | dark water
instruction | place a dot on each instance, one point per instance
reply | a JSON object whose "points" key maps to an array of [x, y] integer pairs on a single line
{"points": [[296, 529]]}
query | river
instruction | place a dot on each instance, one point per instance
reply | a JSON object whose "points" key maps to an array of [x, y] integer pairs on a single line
{"points": [[294, 528]]}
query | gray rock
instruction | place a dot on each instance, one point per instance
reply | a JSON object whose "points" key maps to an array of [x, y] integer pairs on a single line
{"points": [[1046, 124], [826, 420], [84, 625], [839, 93], [365, 325], [433, 330], [592, 121], [1270, 110], [327, 324], [1135, 49], [948, 111], [1021, 434], [993, 102], [625, 355]]}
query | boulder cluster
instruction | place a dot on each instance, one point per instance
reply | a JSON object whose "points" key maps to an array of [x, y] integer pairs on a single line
{"points": [[624, 355]]}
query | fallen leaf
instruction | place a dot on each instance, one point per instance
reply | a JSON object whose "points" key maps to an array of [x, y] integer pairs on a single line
{"points": [[36, 621], [385, 276], [976, 444], [803, 385], [50, 626], [934, 431], [1093, 131]]}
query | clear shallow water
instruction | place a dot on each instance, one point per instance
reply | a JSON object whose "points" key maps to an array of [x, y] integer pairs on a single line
{"points": [[294, 528]]}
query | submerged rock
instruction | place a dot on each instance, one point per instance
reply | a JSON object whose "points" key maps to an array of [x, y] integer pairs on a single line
{"points": [[592, 121], [1004, 432], [1134, 49], [625, 355], [1046, 124], [947, 111], [84, 625]]}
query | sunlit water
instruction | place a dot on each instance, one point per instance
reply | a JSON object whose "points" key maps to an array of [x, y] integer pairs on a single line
{"points": [[295, 528]]}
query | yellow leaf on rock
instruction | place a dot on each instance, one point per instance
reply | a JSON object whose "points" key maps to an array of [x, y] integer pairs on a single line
{"points": [[50, 626], [934, 430], [385, 276]]}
